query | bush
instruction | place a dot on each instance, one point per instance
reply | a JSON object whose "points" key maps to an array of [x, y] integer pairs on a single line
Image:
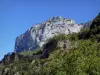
{"points": [[84, 33]]}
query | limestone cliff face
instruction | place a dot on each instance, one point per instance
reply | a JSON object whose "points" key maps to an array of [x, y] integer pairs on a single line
{"points": [[38, 34]]}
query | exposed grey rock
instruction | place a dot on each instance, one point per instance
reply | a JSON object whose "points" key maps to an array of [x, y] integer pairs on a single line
{"points": [[38, 34], [64, 44], [5, 71], [61, 45], [17, 73], [67, 44]]}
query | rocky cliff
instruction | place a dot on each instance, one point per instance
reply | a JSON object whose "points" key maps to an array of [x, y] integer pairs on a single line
{"points": [[38, 34]]}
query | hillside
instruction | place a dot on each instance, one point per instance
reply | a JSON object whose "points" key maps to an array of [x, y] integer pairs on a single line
{"points": [[72, 54]]}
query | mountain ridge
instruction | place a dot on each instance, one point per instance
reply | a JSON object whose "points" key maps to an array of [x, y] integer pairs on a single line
{"points": [[38, 34]]}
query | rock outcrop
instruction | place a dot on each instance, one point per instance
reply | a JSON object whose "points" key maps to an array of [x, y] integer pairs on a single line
{"points": [[65, 44], [50, 47], [10, 58], [38, 34]]}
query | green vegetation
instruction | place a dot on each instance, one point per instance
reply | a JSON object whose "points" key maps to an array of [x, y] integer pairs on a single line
{"points": [[31, 52], [52, 42], [84, 59], [95, 27], [92, 32], [84, 33]]}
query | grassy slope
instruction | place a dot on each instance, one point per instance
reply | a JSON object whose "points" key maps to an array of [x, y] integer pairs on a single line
{"points": [[30, 52]]}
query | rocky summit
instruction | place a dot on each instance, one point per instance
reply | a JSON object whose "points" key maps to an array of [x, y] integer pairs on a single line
{"points": [[38, 34]]}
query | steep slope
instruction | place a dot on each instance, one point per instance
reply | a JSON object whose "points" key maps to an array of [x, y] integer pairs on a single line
{"points": [[92, 32], [95, 26], [37, 35], [81, 58], [87, 24]]}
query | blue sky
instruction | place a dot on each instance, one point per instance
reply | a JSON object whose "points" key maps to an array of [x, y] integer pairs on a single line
{"points": [[16, 16]]}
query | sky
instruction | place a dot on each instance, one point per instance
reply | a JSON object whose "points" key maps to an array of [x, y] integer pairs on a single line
{"points": [[17, 16]]}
